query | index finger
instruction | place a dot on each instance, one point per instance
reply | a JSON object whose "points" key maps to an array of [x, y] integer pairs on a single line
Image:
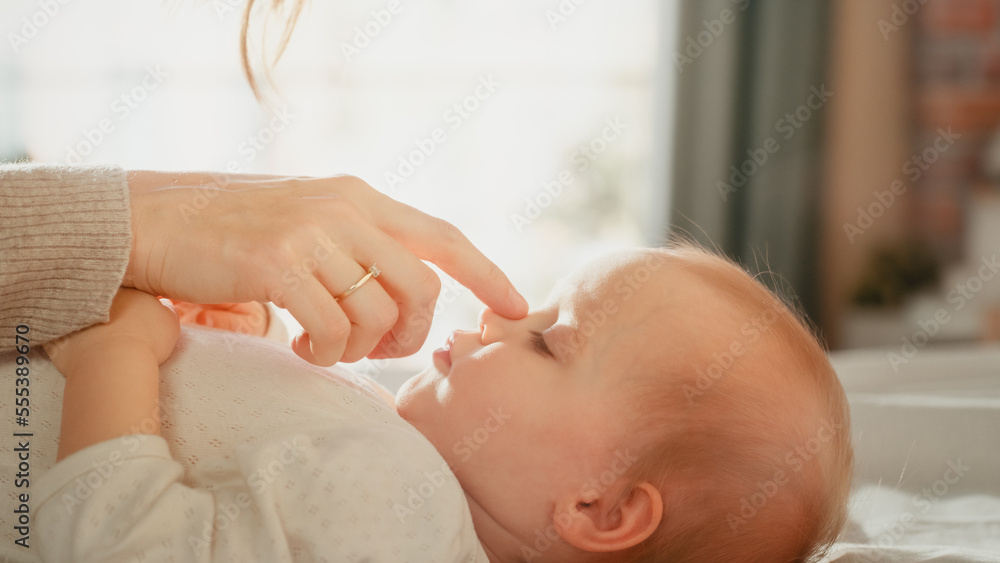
{"points": [[442, 243]]}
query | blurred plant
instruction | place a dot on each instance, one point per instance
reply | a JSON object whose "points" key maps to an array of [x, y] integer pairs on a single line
{"points": [[896, 271]]}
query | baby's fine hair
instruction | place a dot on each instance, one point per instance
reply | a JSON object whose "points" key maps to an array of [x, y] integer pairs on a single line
{"points": [[748, 438]]}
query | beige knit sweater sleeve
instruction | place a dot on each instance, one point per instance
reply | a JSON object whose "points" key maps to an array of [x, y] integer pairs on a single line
{"points": [[65, 236]]}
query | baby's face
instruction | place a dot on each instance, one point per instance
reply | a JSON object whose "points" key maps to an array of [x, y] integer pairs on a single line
{"points": [[527, 410]]}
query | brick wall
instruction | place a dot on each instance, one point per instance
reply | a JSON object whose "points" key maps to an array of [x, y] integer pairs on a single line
{"points": [[956, 70]]}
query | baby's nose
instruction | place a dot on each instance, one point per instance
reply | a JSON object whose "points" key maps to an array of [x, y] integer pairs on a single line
{"points": [[483, 315], [491, 325]]}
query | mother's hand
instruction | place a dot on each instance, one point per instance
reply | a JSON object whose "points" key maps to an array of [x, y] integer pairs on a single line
{"points": [[298, 242]]}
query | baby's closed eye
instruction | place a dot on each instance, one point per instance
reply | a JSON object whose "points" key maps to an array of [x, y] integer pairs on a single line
{"points": [[539, 342]]}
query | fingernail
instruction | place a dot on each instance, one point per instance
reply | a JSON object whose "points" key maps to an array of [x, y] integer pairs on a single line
{"points": [[516, 299]]}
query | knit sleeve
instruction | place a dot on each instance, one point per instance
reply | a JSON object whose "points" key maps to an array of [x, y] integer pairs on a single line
{"points": [[116, 501], [65, 237]]}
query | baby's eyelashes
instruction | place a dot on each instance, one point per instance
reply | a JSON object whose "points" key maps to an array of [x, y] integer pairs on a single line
{"points": [[539, 342]]}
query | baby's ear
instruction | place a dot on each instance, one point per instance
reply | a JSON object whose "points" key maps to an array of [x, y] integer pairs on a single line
{"points": [[593, 523]]}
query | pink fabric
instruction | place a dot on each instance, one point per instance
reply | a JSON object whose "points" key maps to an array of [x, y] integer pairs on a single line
{"points": [[245, 318]]}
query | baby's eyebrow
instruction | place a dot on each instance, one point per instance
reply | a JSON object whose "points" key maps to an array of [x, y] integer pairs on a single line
{"points": [[564, 341]]}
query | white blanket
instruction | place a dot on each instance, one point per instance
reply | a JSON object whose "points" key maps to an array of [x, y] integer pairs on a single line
{"points": [[927, 444]]}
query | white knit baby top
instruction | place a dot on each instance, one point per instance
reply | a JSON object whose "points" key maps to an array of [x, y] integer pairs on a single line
{"points": [[263, 457]]}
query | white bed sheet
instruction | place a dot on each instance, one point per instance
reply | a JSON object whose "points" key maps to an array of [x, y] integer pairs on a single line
{"points": [[927, 446]]}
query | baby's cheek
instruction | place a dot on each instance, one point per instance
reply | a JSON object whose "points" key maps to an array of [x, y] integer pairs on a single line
{"points": [[486, 434]]}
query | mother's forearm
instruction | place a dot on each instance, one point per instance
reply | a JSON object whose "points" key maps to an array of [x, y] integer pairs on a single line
{"points": [[141, 181], [111, 393]]}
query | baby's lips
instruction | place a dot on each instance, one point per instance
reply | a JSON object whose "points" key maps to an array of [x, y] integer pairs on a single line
{"points": [[442, 359]]}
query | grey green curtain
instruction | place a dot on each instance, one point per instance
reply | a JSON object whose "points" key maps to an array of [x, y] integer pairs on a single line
{"points": [[743, 78]]}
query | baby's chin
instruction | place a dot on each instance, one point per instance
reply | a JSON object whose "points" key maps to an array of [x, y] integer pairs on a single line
{"points": [[417, 393]]}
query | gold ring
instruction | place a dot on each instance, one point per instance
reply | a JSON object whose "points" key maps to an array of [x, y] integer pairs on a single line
{"points": [[373, 272]]}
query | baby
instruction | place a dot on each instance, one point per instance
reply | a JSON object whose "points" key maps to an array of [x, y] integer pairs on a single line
{"points": [[661, 406]]}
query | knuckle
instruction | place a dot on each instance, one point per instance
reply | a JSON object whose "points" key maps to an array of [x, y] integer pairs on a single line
{"points": [[354, 182], [494, 273], [337, 330], [385, 316], [449, 234], [409, 342], [358, 186], [350, 188], [427, 286]]}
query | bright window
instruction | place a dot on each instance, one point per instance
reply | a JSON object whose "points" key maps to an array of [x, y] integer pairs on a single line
{"points": [[530, 125]]}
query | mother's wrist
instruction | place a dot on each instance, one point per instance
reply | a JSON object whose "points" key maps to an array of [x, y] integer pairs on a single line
{"points": [[135, 267]]}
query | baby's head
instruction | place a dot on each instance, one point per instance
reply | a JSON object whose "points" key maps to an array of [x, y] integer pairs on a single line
{"points": [[661, 406]]}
